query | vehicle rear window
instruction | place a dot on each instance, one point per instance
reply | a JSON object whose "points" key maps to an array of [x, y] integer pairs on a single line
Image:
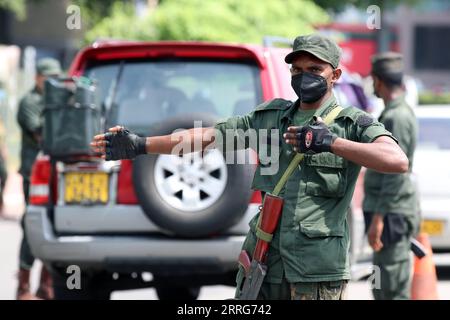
{"points": [[150, 91], [434, 133]]}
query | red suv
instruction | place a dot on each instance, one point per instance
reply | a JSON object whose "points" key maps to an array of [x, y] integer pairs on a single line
{"points": [[181, 219]]}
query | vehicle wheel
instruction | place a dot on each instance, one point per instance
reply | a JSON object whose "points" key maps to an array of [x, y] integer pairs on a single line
{"points": [[91, 288], [170, 292], [193, 195]]}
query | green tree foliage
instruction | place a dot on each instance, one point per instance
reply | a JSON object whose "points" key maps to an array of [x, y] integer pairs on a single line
{"points": [[429, 97], [94, 11], [211, 20], [16, 6], [122, 23]]}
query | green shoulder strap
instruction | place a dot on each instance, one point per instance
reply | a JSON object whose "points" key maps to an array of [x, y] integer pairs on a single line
{"points": [[267, 237], [299, 156]]}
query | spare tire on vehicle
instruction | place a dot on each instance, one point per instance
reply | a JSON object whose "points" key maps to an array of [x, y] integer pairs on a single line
{"points": [[193, 195]]}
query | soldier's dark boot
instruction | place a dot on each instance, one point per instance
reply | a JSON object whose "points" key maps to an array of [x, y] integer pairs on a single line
{"points": [[23, 288], [45, 290]]}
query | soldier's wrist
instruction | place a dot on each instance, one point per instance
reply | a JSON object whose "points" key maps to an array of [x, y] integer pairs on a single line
{"points": [[328, 141], [380, 214], [141, 145], [378, 217]]}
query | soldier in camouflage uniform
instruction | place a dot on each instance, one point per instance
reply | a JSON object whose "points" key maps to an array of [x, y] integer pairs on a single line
{"points": [[29, 117], [390, 203], [308, 255]]}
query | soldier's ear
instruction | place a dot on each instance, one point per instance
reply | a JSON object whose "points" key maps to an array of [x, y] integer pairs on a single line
{"points": [[336, 75]]}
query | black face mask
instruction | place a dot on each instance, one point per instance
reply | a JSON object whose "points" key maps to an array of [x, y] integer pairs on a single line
{"points": [[309, 87]]}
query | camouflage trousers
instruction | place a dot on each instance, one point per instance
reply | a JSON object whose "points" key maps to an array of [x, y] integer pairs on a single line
{"points": [[329, 290]]}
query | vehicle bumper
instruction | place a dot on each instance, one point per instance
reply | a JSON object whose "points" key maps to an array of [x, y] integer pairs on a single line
{"points": [[438, 210], [156, 254], [130, 251], [130, 219]]}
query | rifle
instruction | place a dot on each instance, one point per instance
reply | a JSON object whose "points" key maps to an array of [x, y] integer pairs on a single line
{"points": [[255, 269]]}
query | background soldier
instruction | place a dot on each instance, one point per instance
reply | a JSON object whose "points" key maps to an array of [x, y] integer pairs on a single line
{"points": [[308, 256], [30, 120], [390, 203]]}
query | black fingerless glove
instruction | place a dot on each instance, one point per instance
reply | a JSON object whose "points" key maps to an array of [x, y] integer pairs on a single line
{"points": [[124, 145], [314, 138]]}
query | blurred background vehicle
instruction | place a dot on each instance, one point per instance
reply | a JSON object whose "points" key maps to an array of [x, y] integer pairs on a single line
{"points": [[431, 169]]}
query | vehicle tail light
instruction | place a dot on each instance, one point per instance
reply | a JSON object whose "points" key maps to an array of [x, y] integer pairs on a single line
{"points": [[40, 182], [125, 188]]}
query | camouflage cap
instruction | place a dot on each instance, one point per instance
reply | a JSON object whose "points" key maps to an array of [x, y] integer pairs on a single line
{"points": [[322, 47], [387, 64], [48, 67]]}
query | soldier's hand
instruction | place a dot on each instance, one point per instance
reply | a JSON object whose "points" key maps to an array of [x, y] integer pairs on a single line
{"points": [[312, 138], [375, 231], [119, 143]]}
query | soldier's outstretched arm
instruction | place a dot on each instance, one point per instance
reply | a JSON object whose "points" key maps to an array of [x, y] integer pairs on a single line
{"points": [[119, 143], [383, 154]]}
